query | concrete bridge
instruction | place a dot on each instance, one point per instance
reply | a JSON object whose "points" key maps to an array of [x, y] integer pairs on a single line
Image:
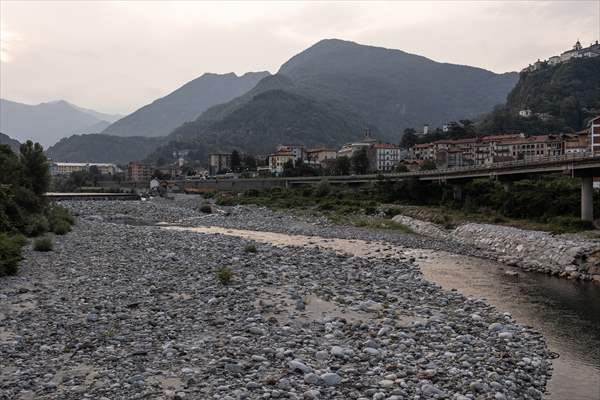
{"points": [[581, 166]]}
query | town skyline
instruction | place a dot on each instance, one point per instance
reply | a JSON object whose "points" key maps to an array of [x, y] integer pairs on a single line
{"points": [[117, 70]]}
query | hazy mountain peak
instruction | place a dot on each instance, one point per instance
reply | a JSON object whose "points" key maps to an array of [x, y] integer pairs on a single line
{"points": [[48, 122], [186, 103]]}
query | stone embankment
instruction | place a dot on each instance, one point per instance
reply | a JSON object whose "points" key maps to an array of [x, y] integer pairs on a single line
{"points": [[562, 255], [126, 309]]}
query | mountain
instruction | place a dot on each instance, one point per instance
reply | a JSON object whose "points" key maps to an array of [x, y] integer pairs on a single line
{"points": [[393, 89], [562, 98], [12, 143], [47, 123], [383, 89], [271, 117], [160, 117], [103, 148]]}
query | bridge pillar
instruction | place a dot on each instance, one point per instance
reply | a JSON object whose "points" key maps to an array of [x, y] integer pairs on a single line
{"points": [[587, 199], [457, 192]]}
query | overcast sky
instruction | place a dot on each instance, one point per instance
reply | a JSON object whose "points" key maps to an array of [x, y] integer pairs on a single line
{"points": [[117, 56]]}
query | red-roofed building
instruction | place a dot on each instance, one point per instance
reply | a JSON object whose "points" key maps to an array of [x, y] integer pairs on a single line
{"points": [[383, 157]]}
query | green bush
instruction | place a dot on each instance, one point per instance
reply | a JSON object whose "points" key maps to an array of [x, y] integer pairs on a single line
{"points": [[563, 224], [60, 219], [222, 200], [224, 275], [37, 224], [250, 248], [252, 193], [43, 244], [10, 253], [322, 189], [61, 227]]}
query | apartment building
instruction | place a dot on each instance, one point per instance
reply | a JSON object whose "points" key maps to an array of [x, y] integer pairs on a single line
{"points": [[139, 172], [67, 168], [279, 159], [383, 157], [218, 163]]}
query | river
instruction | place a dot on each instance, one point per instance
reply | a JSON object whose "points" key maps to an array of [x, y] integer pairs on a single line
{"points": [[566, 312]]}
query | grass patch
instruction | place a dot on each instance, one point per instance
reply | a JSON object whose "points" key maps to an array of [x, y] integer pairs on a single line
{"points": [[43, 244], [224, 275], [250, 248]]}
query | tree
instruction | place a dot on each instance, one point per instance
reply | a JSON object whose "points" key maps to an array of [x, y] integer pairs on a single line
{"points": [[409, 139], [236, 162], [36, 173], [428, 166], [360, 162], [95, 174], [400, 168], [342, 166], [249, 162]]}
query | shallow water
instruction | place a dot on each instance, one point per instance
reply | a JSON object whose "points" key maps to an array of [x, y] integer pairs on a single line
{"points": [[566, 312]]}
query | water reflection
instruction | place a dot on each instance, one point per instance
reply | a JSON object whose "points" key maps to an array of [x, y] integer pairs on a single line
{"points": [[567, 312]]}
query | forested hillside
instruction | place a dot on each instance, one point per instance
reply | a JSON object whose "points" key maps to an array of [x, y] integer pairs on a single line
{"points": [[564, 96]]}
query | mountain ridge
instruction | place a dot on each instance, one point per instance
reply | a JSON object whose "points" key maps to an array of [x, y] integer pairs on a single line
{"points": [[46, 122], [183, 104]]}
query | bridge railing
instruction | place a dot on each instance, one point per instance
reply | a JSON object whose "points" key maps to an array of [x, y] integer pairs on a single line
{"points": [[537, 160]]}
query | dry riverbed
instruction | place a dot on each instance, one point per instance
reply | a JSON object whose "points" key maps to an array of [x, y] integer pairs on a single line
{"points": [[125, 308]]}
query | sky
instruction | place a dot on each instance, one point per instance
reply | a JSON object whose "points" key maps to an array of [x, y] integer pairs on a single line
{"points": [[116, 56]]}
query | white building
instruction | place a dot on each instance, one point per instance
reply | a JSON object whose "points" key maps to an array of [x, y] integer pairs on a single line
{"points": [[384, 157], [525, 113], [66, 168], [298, 151]]}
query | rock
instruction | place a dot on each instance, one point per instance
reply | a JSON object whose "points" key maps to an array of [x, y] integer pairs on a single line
{"points": [[331, 379], [297, 365], [312, 379]]}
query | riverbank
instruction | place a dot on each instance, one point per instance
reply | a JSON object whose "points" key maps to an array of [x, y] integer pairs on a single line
{"points": [[124, 308], [565, 256]]}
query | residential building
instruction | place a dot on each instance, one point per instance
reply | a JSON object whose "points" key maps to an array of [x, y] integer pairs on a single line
{"points": [[525, 113], [298, 151], [279, 159], [383, 157], [578, 51], [139, 172], [577, 143], [348, 149], [595, 135], [219, 163], [320, 156], [489, 149], [66, 168]]}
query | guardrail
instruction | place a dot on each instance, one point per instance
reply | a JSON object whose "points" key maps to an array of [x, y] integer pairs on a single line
{"points": [[538, 161]]}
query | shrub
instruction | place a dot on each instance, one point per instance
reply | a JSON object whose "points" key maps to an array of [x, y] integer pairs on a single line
{"points": [[61, 227], [251, 193], [10, 253], [36, 225], [224, 275], [60, 219], [250, 248], [563, 224], [223, 200], [206, 208], [323, 189], [43, 244], [57, 213]]}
